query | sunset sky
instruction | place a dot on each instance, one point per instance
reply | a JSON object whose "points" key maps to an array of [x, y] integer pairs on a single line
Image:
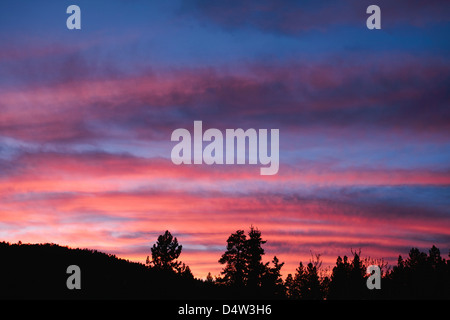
{"points": [[86, 118]]}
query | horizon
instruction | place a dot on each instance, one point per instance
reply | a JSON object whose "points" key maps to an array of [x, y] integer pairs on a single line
{"points": [[326, 271], [86, 118]]}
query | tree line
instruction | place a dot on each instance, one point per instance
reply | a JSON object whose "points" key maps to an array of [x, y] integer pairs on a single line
{"points": [[246, 275], [39, 271]]}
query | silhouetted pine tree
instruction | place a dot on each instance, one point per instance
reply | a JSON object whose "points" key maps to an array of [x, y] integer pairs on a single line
{"points": [[209, 278], [165, 252], [245, 270], [299, 281], [234, 259], [255, 269], [356, 278], [419, 276], [339, 288], [289, 286], [312, 288], [272, 281]]}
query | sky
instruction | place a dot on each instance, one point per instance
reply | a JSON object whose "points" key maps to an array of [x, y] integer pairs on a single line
{"points": [[86, 118]]}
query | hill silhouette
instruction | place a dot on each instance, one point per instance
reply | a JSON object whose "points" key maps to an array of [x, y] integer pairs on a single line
{"points": [[38, 271]]}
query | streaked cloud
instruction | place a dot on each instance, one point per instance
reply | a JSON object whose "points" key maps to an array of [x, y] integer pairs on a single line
{"points": [[85, 124]]}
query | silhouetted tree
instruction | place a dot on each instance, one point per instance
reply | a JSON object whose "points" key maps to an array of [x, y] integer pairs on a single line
{"points": [[242, 259], [357, 281], [185, 271], [299, 281], [348, 279], [165, 252], [244, 266], [255, 269], [271, 279], [311, 288], [306, 283], [339, 288], [289, 286], [209, 278], [325, 283], [234, 259], [420, 276]]}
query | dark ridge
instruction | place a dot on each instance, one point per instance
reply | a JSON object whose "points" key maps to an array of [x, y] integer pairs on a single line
{"points": [[39, 271]]}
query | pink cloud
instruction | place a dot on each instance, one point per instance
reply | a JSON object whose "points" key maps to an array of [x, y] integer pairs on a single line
{"points": [[87, 214], [295, 95]]}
